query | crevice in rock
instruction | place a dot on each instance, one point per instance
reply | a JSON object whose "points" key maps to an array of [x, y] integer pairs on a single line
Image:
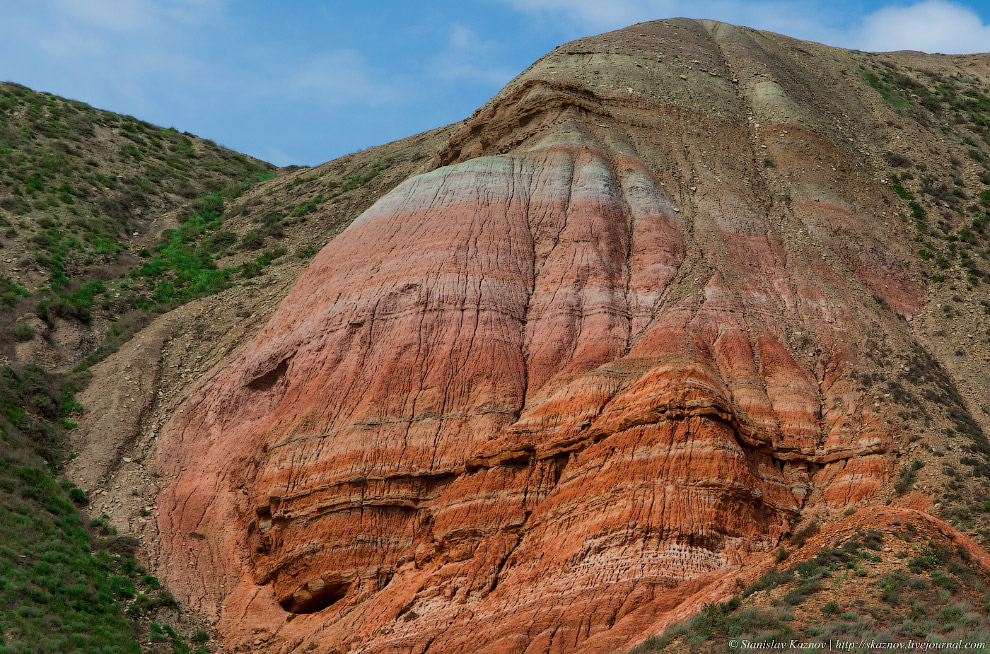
{"points": [[315, 595], [268, 379]]}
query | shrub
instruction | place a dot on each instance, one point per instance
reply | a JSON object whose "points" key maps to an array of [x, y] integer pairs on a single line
{"points": [[305, 252], [900, 190], [221, 240], [250, 269], [897, 160], [770, 579], [253, 240], [802, 535], [11, 291], [78, 496], [122, 586], [22, 332], [165, 599], [906, 478], [151, 582]]}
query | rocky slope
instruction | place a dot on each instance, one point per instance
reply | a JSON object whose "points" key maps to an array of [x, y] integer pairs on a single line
{"points": [[653, 307]]}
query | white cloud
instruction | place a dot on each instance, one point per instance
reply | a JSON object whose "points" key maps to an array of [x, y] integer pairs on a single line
{"points": [[280, 157], [599, 15], [107, 15], [130, 17], [470, 58], [70, 44], [335, 78], [930, 26]]}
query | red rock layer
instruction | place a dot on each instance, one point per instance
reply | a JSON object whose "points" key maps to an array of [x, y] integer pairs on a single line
{"points": [[525, 399]]}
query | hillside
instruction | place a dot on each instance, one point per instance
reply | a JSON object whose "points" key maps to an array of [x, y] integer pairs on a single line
{"points": [[108, 223], [84, 196], [690, 322], [80, 190]]}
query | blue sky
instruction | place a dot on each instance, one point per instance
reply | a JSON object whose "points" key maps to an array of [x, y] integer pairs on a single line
{"points": [[303, 82]]}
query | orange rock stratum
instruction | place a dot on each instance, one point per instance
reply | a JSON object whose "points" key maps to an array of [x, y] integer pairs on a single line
{"points": [[547, 396]]}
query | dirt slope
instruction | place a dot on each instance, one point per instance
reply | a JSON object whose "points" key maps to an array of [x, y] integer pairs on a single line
{"points": [[675, 291]]}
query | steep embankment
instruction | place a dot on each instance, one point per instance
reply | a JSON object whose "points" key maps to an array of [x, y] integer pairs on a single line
{"points": [[656, 304]]}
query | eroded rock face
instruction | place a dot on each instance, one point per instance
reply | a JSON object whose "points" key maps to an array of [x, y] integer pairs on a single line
{"points": [[535, 399]]}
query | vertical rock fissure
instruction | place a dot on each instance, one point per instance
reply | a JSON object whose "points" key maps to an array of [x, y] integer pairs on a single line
{"points": [[524, 323], [630, 235]]}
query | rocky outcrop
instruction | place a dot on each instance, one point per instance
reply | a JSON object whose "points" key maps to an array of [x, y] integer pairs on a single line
{"points": [[539, 398]]}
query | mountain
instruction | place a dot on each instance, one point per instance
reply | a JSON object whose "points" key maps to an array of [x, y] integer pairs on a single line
{"points": [[689, 319]]}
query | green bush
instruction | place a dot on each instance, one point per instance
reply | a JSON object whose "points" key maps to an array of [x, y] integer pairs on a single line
{"points": [[221, 240], [11, 291], [900, 190], [22, 332], [78, 496], [253, 240], [56, 596]]}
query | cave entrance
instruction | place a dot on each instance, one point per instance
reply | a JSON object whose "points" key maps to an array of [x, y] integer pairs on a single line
{"points": [[315, 596]]}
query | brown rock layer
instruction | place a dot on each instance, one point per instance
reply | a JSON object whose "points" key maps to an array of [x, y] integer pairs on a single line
{"points": [[533, 400]]}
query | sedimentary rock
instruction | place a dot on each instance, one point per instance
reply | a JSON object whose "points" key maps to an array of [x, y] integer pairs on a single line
{"points": [[535, 399]]}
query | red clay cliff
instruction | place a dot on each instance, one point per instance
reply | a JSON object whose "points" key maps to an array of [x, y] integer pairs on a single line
{"points": [[534, 400]]}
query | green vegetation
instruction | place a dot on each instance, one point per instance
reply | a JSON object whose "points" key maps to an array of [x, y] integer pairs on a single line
{"points": [[919, 377], [358, 179], [11, 292], [63, 587], [182, 266], [56, 595], [22, 332], [74, 179], [720, 622], [958, 106], [921, 592], [900, 190], [74, 184], [893, 89], [906, 478]]}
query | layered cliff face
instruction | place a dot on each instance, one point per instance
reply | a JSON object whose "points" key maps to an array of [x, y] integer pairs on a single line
{"points": [[543, 397]]}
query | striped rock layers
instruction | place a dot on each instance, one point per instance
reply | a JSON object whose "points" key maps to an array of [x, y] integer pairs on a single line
{"points": [[529, 396]]}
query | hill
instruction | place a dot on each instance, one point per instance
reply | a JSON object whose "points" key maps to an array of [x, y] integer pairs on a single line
{"points": [[109, 222], [80, 191], [690, 319]]}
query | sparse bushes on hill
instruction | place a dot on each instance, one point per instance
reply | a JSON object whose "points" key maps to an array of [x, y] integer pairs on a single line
{"points": [[807, 601]]}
